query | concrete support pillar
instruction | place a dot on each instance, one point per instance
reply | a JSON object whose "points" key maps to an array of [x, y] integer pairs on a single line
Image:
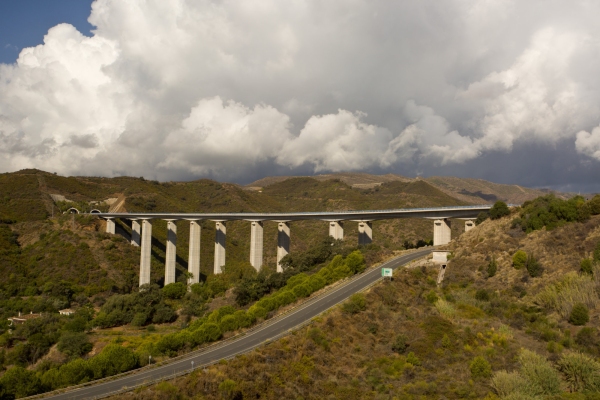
{"points": [[283, 243], [469, 224], [171, 255], [194, 255], [365, 233], [220, 237], [135, 232], [145, 252], [441, 232], [336, 230], [256, 244], [110, 226]]}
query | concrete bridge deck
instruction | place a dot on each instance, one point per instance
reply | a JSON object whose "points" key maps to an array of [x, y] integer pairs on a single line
{"points": [[351, 215]]}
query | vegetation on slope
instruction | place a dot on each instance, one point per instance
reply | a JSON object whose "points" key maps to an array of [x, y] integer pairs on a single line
{"points": [[519, 333]]}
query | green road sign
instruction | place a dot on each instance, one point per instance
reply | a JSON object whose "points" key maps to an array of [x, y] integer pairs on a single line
{"points": [[386, 272]]}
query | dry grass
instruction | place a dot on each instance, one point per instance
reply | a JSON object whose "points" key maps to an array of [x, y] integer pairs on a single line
{"points": [[562, 295]]}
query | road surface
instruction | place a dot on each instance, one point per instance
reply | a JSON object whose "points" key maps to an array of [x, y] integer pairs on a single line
{"points": [[274, 329]]}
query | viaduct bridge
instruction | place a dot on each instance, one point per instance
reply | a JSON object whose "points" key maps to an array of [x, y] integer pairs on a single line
{"points": [[141, 234]]}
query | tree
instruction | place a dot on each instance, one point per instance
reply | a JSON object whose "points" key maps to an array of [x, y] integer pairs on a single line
{"points": [[499, 210], [74, 344], [174, 290]]}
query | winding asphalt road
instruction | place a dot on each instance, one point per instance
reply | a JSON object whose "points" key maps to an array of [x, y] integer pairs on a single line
{"points": [[277, 327]]}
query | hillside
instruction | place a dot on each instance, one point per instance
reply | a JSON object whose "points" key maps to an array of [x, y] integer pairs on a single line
{"points": [[509, 332], [471, 191]]}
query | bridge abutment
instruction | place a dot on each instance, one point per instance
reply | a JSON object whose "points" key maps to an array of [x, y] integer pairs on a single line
{"points": [[469, 224]]}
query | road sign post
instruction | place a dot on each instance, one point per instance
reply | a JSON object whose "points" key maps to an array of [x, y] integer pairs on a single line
{"points": [[386, 273]]}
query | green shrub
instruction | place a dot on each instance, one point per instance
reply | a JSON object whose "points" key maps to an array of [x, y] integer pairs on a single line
{"points": [[229, 323], [596, 255], [581, 372], [302, 290], [74, 344], [113, 359], [544, 379], [482, 295], [482, 216], [533, 267], [519, 259], [243, 319], [356, 262], [513, 384], [492, 267], [431, 297], [480, 368], [257, 312], [586, 266], [411, 358], [579, 315], [174, 290], [499, 210], [355, 304], [400, 345]]}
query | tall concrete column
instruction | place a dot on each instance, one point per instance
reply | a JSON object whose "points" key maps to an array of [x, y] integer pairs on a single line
{"points": [[365, 233], [283, 243], [194, 255], [220, 237], [145, 252], [135, 232], [171, 252], [469, 224], [336, 229], [110, 226], [441, 231], [256, 244]]}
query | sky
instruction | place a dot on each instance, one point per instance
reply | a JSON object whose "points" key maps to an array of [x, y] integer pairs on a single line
{"points": [[507, 91]]}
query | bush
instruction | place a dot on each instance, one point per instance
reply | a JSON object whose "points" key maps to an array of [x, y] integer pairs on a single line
{"points": [[74, 344], [506, 384], [541, 376], [112, 360], [355, 304], [586, 266], [229, 323], [519, 259], [492, 267], [400, 345], [579, 315], [482, 295], [581, 372], [480, 368], [356, 262], [596, 255], [174, 290], [499, 210], [533, 267], [302, 290], [482, 216]]}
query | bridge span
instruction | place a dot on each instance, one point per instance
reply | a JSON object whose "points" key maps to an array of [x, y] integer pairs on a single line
{"points": [[141, 231]]}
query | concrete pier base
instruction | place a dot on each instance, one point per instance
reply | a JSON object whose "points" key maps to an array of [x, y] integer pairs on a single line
{"points": [[365, 233], [220, 238], [194, 255], [469, 224], [256, 244], [171, 252], [441, 232], [336, 230], [135, 232], [110, 226], [283, 243], [145, 252]]}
